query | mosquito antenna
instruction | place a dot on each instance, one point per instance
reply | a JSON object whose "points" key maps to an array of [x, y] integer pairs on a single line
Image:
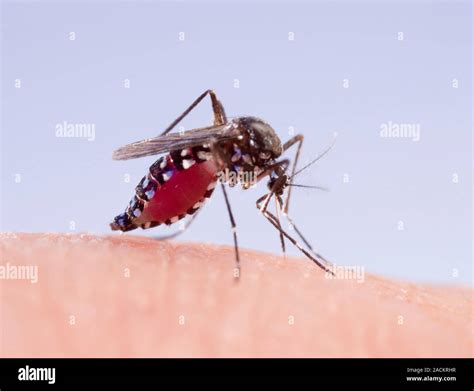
{"points": [[317, 157], [308, 186]]}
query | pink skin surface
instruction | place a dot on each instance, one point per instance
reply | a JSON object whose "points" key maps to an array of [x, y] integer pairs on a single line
{"points": [[126, 296]]}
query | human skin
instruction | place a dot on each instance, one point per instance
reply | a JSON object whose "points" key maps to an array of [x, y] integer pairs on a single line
{"points": [[128, 296]]}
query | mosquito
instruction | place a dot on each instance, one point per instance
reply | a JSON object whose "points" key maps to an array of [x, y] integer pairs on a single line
{"points": [[180, 181]]}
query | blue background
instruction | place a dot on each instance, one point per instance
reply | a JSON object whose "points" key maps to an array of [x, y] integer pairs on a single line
{"points": [[295, 84]]}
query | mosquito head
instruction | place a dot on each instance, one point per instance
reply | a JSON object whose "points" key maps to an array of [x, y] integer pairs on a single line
{"points": [[278, 183], [262, 141]]}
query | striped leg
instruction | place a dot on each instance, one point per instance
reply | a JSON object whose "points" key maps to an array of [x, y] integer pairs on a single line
{"points": [[219, 113], [234, 232], [315, 257]]}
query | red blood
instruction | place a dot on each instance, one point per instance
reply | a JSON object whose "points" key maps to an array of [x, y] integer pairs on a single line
{"points": [[179, 194]]}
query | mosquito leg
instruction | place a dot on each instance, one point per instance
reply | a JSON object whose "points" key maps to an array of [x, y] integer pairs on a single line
{"points": [[279, 183], [223, 161], [315, 254], [296, 139], [219, 114], [180, 231], [305, 241], [234, 231], [285, 205], [316, 258], [282, 238], [266, 199], [220, 118], [299, 139]]}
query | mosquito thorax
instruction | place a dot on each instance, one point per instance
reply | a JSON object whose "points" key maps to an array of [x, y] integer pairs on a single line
{"points": [[262, 140], [256, 147]]}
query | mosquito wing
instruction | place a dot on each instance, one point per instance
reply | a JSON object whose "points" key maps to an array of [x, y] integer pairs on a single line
{"points": [[174, 141]]}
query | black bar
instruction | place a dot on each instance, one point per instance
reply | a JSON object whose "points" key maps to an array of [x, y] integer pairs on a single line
{"points": [[243, 371]]}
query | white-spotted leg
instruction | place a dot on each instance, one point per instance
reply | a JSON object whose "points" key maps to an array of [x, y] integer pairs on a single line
{"points": [[282, 238], [316, 258], [284, 206], [234, 232], [280, 168], [181, 230], [305, 241], [217, 108], [299, 138], [222, 161]]}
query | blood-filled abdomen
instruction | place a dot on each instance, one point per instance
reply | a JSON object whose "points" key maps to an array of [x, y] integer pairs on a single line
{"points": [[176, 185]]}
